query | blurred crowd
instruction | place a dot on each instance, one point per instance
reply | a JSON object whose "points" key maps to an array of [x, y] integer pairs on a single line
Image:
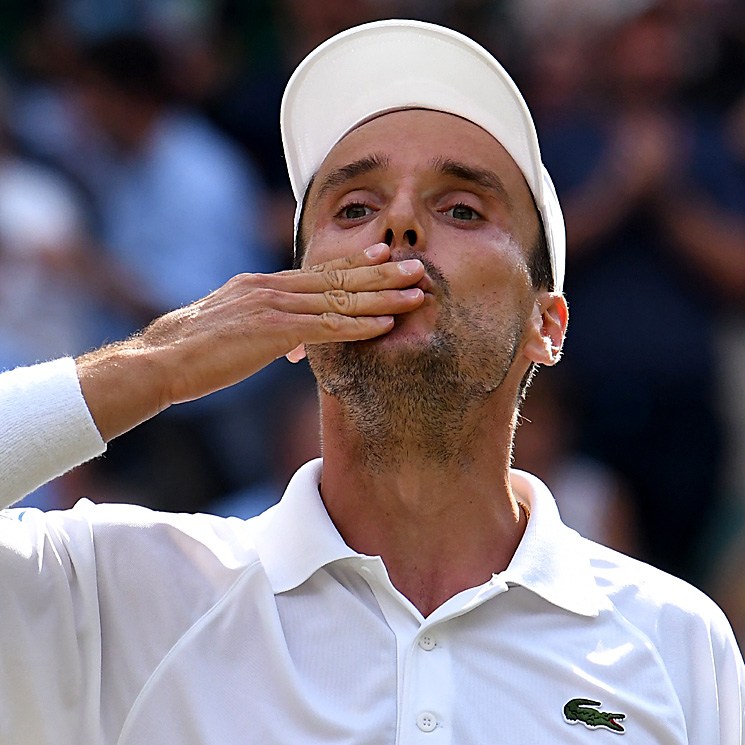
{"points": [[141, 167]]}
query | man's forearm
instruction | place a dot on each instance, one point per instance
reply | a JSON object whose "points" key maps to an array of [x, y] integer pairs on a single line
{"points": [[56, 416]]}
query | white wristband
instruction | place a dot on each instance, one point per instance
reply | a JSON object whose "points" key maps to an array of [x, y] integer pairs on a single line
{"points": [[45, 427]]}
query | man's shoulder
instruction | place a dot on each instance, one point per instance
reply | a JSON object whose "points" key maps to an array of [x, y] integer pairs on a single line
{"points": [[229, 537], [655, 602], [133, 530], [685, 631]]}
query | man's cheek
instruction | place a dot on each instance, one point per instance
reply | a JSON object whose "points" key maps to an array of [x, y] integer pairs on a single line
{"points": [[327, 245]]}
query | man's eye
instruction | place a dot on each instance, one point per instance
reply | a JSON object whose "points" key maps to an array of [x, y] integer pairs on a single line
{"points": [[354, 211], [463, 212]]}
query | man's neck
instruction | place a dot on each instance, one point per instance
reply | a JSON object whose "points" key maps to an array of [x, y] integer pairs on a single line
{"points": [[440, 527]]}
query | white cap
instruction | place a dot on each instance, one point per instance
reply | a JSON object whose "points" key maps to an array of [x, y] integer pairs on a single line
{"points": [[396, 64]]}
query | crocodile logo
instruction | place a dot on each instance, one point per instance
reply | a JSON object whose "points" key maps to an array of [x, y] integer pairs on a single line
{"points": [[583, 710]]}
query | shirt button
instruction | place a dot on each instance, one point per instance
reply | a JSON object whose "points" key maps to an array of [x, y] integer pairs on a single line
{"points": [[427, 643], [426, 721]]}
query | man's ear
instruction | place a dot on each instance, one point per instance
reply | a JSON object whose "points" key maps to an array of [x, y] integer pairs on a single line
{"points": [[548, 328]]}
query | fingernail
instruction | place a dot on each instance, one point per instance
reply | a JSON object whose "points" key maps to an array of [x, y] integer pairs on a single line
{"points": [[409, 266], [375, 251], [411, 292]]}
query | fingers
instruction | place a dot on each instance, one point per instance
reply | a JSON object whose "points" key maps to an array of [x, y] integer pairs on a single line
{"points": [[389, 275], [357, 273], [329, 309], [375, 254], [332, 327], [381, 302], [333, 289], [348, 299]]}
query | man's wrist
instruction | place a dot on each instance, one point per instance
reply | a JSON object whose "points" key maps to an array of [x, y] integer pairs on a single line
{"points": [[123, 385]]}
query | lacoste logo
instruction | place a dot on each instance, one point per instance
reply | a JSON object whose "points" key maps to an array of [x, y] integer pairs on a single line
{"points": [[582, 710]]}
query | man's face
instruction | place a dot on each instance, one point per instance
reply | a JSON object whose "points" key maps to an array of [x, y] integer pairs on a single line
{"points": [[442, 179], [438, 188]]}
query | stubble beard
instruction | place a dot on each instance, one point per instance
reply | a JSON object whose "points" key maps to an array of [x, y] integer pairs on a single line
{"points": [[412, 401]]}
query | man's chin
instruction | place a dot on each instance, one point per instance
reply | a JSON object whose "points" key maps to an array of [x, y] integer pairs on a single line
{"points": [[402, 353]]}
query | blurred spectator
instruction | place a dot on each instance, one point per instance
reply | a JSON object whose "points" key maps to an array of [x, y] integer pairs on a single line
{"points": [[180, 213], [180, 208], [716, 241], [641, 344], [44, 302], [293, 431]]}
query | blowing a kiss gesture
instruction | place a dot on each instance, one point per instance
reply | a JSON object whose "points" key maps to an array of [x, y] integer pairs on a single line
{"points": [[240, 328]]}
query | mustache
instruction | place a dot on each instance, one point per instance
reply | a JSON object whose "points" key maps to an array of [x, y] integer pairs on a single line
{"points": [[433, 272]]}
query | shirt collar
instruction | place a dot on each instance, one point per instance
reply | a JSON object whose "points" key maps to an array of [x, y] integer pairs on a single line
{"points": [[296, 538], [552, 560]]}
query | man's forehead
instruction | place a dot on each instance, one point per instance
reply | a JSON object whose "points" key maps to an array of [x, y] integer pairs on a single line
{"points": [[446, 143]]}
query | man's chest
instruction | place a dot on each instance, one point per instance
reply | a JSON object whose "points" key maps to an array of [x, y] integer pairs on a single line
{"points": [[323, 667]]}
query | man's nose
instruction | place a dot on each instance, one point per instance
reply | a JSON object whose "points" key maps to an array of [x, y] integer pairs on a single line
{"points": [[408, 236], [403, 226]]}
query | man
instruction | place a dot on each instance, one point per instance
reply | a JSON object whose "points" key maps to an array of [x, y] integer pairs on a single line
{"points": [[409, 587]]}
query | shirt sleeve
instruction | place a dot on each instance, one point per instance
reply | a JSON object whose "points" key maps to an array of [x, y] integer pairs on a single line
{"points": [[707, 668], [50, 638], [730, 673], [45, 427]]}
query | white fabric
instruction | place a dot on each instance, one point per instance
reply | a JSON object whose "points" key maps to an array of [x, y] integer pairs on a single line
{"points": [[45, 427], [125, 626]]}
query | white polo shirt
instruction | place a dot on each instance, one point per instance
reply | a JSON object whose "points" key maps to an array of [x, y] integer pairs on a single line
{"points": [[120, 625]]}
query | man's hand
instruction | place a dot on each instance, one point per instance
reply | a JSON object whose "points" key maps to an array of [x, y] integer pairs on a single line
{"points": [[240, 328]]}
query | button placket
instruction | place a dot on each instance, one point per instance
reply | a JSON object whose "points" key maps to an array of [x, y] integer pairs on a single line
{"points": [[425, 685], [427, 693], [427, 721]]}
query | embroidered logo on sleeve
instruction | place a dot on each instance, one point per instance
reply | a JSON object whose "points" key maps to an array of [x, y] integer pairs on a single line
{"points": [[584, 710]]}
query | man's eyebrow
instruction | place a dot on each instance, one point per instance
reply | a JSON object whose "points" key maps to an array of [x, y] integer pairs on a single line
{"points": [[482, 177], [339, 176]]}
